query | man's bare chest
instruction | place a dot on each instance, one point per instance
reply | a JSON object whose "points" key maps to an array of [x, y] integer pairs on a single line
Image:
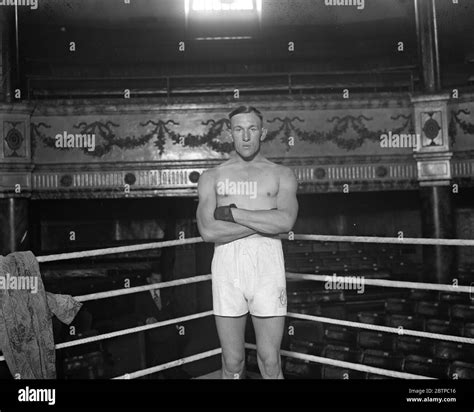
{"points": [[247, 183]]}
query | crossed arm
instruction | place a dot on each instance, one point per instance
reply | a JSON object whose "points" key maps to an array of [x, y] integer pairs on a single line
{"points": [[248, 222]]}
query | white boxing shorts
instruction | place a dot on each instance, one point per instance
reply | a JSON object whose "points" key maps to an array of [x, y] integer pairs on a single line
{"points": [[248, 275]]}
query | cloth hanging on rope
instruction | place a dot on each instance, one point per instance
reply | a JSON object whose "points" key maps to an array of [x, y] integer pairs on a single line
{"points": [[26, 311]]}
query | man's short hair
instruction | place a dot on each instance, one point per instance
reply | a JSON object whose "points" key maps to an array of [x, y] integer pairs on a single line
{"points": [[245, 109]]}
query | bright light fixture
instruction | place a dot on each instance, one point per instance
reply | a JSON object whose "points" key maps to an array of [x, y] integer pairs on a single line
{"points": [[222, 5], [225, 38]]}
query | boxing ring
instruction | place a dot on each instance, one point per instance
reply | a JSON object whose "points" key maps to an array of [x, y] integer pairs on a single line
{"points": [[297, 276]]}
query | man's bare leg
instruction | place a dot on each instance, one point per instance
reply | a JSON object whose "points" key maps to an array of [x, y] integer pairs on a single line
{"points": [[269, 333], [231, 331]]}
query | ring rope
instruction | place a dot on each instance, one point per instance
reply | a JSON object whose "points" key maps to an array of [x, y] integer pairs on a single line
{"points": [[296, 355], [322, 238], [379, 239], [195, 279], [386, 283], [379, 328], [131, 330], [137, 289], [354, 366], [201, 278], [291, 275], [348, 365], [172, 364], [119, 249]]}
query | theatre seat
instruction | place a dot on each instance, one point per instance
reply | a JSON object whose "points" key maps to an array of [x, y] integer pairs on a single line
{"points": [[367, 339], [407, 322], [412, 345], [87, 366], [445, 327], [425, 366], [303, 330], [304, 296], [299, 368], [453, 351], [330, 296], [454, 298], [429, 309], [311, 348], [298, 246], [461, 370], [324, 246], [304, 308], [333, 310], [468, 330], [399, 306], [382, 359], [340, 334], [374, 318], [343, 353], [314, 302], [463, 312], [332, 372], [369, 303], [420, 294]]}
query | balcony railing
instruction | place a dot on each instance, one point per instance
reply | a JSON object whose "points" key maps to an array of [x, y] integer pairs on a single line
{"points": [[50, 87]]}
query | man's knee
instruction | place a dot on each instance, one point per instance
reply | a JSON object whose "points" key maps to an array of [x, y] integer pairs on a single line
{"points": [[234, 363], [270, 362]]}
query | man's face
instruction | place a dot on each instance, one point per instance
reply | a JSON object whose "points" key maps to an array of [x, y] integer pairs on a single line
{"points": [[247, 133]]}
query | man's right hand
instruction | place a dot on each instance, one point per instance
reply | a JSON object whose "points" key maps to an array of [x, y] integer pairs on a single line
{"points": [[225, 213], [211, 229]]}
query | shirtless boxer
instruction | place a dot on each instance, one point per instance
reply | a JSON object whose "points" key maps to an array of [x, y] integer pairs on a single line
{"points": [[243, 204]]}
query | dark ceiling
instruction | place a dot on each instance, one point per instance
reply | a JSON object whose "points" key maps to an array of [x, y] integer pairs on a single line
{"points": [[141, 38]]}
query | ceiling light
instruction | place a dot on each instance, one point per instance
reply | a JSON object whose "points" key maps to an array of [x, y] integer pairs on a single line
{"points": [[222, 5], [225, 38]]}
